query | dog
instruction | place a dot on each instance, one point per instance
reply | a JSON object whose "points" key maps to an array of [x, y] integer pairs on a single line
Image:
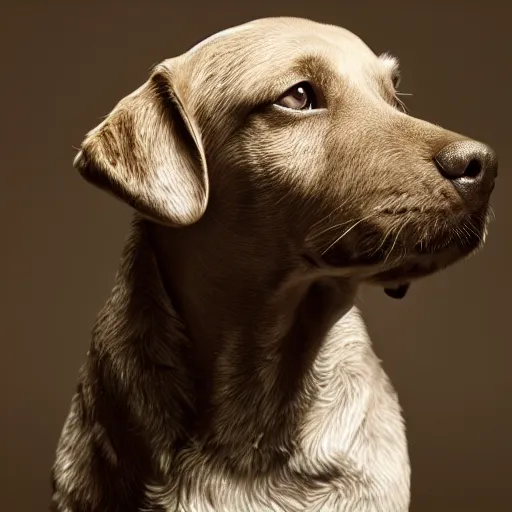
{"points": [[272, 170]]}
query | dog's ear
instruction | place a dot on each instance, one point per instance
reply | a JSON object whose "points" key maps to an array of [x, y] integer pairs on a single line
{"points": [[148, 152]]}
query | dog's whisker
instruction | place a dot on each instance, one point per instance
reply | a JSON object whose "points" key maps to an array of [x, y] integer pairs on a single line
{"points": [[467, 230], [459, 235], [330, 228], [383, 241], [328, 216], [473, 229], [394, 242], [346, 232], [315, 236]]}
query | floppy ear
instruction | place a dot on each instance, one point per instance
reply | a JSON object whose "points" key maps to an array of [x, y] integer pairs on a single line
{"points": [[148, 153]]}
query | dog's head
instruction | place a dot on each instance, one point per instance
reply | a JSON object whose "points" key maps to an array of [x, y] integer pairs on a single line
{"points": [[297, 129]]}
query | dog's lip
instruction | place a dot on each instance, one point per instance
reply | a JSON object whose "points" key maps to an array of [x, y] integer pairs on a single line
{"points": [[420, 260], [411, 268]]}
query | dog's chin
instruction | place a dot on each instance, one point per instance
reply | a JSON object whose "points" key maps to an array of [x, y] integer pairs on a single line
{"points": [[418, 266], [395, 273], [433, 258]]}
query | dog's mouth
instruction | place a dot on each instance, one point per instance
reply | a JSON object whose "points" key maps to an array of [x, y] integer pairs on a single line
{"points": [[404, 258]]}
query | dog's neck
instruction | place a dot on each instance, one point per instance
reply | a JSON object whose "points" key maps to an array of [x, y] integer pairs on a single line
{"points": [[250, 339]]}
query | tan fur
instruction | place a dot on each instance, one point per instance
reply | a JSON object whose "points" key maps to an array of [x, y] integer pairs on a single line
{"points": [[230, 370]]}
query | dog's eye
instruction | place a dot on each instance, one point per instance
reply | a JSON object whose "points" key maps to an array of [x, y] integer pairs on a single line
{"points": [[299, 97], [396, 78]]}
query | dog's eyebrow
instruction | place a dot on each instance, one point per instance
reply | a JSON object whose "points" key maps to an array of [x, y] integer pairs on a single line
{"points": [[392, 64], [389, 60], [309, 66], [316, 68]]}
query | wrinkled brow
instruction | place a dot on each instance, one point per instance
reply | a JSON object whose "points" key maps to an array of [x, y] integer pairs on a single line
{"points": [[286, 73], [316, 68]]}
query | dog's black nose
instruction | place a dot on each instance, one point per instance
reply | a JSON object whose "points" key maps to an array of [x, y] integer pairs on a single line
{"points": [[471, 166]]}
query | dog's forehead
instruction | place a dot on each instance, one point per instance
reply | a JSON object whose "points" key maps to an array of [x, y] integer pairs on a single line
{"points": [[275, 38], [261, 59], [284, 26]]}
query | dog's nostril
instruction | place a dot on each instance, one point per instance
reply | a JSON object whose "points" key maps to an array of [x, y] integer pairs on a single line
{"points": [[473, 169], [467, 159]]}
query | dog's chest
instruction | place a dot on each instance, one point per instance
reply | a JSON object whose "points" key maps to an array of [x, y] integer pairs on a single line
{"points": [[351, 452], [336, 473]]}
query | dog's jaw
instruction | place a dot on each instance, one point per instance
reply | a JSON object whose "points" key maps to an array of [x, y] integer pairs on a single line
{"points": [[396, 276]]}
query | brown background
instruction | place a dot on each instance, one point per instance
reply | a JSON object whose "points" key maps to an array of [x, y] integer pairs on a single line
{"points": [[447, 347]]}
